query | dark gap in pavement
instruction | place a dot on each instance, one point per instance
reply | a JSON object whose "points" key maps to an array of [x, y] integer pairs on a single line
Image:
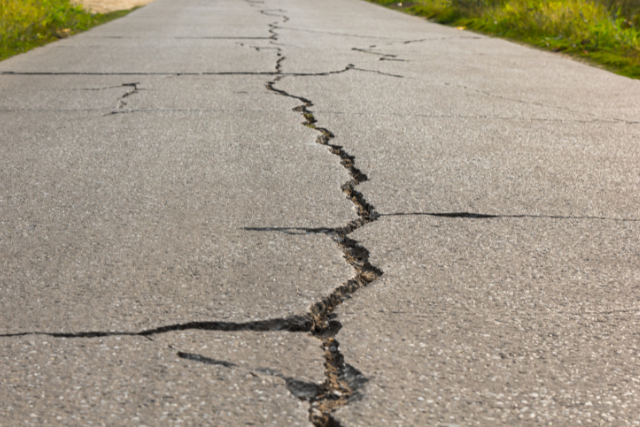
{"points": [[470, 215], [290, 324]]}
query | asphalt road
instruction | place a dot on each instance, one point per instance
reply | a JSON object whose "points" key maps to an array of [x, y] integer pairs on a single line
{"points": [[228, 212]]}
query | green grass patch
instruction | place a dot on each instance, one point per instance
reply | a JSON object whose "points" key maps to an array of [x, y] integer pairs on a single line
{"points": [[603, 32], [25, 24]]}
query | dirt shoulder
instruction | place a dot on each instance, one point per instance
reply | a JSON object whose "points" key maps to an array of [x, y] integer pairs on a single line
{"points": [[105, 6]]}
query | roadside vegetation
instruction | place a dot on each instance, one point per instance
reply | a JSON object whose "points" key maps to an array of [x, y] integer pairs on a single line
{"points": [[25, 24], [604, 32]]}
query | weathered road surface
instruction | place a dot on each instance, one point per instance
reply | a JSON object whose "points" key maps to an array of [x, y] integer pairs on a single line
{"points": [[106, 6], [176, 246]]}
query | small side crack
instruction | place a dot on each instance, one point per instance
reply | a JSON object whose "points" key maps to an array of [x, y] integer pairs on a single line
{"points": [[360, 36], [381, 56], [134, 89], [223, 38], [303, 390], [471, 215], [205, 360], [538, 104], [121, 101], [274, 25], [429, 39]]}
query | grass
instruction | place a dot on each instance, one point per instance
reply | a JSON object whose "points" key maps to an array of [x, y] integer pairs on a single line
{"points": [[25, 24], [604, 32]]}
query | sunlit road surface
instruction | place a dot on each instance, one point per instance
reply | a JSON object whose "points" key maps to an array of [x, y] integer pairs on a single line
{"points": [[225, 212], [106, 6]]}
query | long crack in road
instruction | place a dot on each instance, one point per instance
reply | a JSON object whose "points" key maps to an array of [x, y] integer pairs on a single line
{"points": [[175, 238]]}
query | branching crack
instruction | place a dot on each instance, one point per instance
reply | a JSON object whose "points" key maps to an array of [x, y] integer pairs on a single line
{"points": [[290, 324], [471, 215], [342, 381], [274, 25], [381, 56], [121, 101], [204, 73], [134, 89], [303, 390]]}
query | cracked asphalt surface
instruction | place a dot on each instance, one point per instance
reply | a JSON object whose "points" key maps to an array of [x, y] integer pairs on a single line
{"points": [[278, 212]]}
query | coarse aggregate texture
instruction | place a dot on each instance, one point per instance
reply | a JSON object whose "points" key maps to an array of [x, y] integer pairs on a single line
{"points": [[176, 246], [163, 37], [497, 321], [147, 219], [178, 379]]}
